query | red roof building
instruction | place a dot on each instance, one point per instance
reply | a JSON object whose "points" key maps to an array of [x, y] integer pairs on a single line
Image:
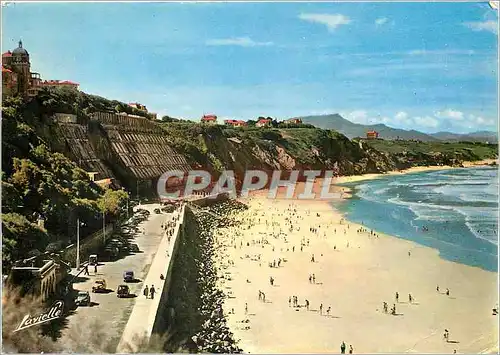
{"points": [[211, 119], [235, 123], [60, 83], [263, 122], [294, 121], [138, 106], [372, 135]]}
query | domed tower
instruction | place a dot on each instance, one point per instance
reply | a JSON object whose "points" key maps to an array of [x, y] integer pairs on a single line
{"points": [[20, 63]]}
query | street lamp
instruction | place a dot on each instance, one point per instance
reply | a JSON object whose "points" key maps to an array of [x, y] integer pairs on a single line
{"points": [[78, 242]]}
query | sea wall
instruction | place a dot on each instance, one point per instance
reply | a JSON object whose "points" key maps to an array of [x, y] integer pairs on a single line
{"points": [[150, 316]]}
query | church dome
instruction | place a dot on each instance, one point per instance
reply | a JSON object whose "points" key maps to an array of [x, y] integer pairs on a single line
{"points": [[20, 50]]}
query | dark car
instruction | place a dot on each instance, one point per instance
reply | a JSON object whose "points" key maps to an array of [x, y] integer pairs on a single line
{"points": [[128, 276], [123, 291], [83, 298]]}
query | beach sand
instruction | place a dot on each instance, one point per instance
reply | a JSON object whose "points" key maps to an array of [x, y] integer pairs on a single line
{"points": [[416, 169], [353, 280]]}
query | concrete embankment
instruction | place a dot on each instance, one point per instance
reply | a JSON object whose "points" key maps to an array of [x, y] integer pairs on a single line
{"points": [[184, 259], [148, 314], [199, 324]]}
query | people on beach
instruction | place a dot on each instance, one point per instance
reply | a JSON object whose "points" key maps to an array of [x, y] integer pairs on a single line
{"points": [[410, 298], [246, 308], [321, 309], [145, 292], [350, 349], [447, 292], [328, 311], [437, 288], [342, 348], [397, 297]]}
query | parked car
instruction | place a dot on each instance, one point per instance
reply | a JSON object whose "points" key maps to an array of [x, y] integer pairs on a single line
{"points": [[99, 286], [93, 259], [128, 276], [122, 291], [112, 252], [83, 298]]}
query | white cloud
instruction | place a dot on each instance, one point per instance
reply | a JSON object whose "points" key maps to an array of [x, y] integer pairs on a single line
{"points": [[440, 52], [402, 118], [238, 41], [490, 26], [450, 114], [332, 21], [426, 121], [380, 21], [358, 116]]}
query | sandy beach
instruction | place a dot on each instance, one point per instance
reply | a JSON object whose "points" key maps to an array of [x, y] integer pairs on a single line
{"points": [[354, 273], [416, 169]]}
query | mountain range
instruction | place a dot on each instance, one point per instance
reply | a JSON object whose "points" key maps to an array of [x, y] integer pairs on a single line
{"points": [[352, 130]]}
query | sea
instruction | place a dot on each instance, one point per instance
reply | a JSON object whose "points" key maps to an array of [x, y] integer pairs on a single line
{"points": [[454, 211]]}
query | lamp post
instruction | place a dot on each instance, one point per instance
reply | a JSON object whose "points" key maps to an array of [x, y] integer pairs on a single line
{"points": [[104, 225], [78, 243]]}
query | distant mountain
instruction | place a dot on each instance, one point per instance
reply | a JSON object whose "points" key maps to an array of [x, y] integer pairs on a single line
{"points": [[352, 130], [479, 136]]}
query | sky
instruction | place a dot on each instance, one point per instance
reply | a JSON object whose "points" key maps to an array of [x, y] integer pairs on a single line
{"points": [[425, 66]]}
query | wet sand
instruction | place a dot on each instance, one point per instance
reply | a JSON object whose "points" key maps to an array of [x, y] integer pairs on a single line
{"points": [[354, 280]]}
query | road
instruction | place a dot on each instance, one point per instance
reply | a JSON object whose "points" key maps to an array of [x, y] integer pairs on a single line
{"points": [[108, 314]]}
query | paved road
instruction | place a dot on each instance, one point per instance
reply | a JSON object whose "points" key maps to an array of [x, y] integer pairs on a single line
{"points": [[111, 312]]}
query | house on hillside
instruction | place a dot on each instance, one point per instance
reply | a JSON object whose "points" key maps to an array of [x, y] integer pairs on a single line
{"points": [[209, 119], [263, 122], [371, 135], [235, 123], [294, 121], [59, 84]]}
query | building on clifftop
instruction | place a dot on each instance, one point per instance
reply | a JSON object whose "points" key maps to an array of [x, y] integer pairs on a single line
{"points": [[209, 119]]}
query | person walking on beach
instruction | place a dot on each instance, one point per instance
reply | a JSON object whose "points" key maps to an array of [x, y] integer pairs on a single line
{"points": [[321, 309], [410, 298], [350, 349], [307, 304], [263, 297], [260, 295], [446, 335], [437, 288], [328, 311], [385, 307], [289, 301], [310, 278], [342, 348], [312, 258], [314, 279], [145, 292], [447, 292], [397, 297], [152, 291], [246, 308]]}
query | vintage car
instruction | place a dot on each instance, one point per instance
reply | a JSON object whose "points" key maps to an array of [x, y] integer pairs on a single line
{"points": [[128, 276], [99, 286], [93, 259], [83, 298], [122, 291]]}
